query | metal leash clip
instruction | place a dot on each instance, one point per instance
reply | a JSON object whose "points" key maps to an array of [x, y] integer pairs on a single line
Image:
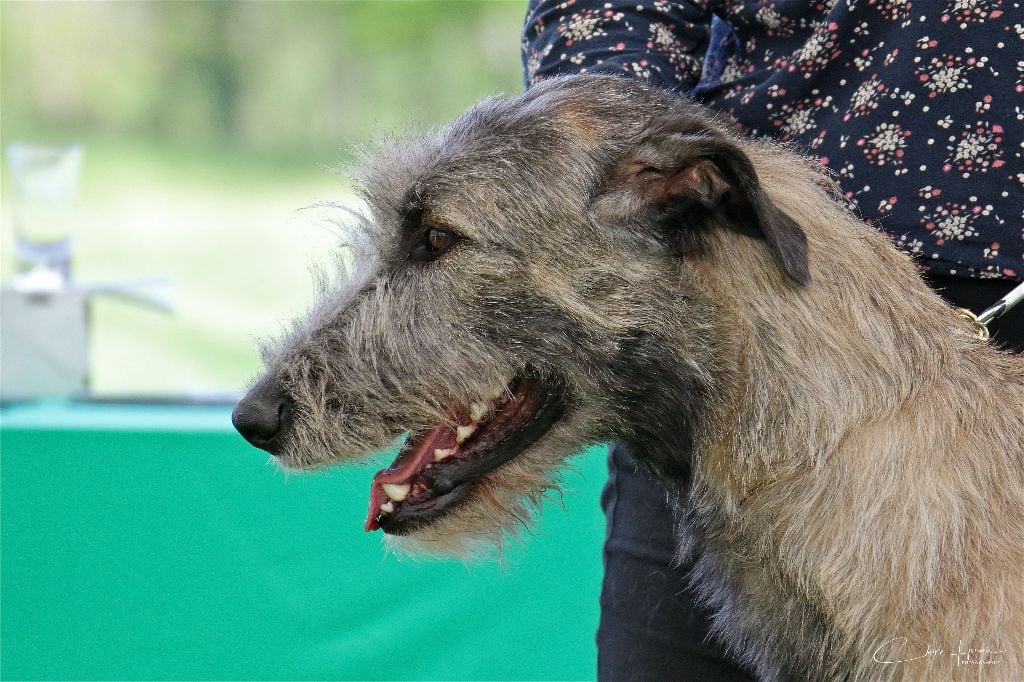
{"points": [[993, 312]]}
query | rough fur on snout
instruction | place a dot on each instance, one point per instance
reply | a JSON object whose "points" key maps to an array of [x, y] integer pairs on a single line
{"points": [[855, 454]]}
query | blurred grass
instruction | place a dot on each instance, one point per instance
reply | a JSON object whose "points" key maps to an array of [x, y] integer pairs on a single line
{"points": [[207, 128], [231, 233]]}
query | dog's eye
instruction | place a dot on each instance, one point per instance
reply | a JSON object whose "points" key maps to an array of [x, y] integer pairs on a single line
{"points": [[439, 240], [433, 242]]}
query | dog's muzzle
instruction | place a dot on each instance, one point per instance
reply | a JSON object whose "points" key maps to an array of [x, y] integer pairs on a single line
{"points": [[263, 416]]}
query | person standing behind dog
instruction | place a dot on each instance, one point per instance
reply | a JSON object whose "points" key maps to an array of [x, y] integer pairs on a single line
{"points": [[918, 111]]}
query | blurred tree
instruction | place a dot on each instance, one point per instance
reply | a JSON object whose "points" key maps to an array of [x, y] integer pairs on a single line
{"points": [[202, 88], [270, 75]]}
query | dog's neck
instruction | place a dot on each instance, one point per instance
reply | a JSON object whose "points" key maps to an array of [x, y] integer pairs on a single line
{"points": [[850, 338]]}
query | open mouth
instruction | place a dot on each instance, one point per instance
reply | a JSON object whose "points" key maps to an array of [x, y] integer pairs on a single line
{"points": [[436, 469]]}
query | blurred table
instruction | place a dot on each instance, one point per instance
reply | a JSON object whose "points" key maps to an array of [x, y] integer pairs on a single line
{"points": [[151, 542]]}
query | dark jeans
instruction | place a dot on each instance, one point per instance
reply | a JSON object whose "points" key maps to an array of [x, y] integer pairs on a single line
{"points": [[651, 627]]}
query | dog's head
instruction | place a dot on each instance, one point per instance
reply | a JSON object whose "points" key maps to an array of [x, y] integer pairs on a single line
{"points": [[520, 290]]}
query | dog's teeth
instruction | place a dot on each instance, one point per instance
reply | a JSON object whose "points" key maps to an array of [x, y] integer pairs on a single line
{"points": [[442, 453], [396, 491], [464, 432], [387, 507], [477, 411], [497, 393]]}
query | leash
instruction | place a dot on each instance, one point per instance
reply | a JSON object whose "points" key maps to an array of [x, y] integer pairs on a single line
{"points": [[993, 312]]}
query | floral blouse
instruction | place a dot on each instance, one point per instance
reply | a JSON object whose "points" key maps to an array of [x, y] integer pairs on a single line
{"points": [[918, 107]]}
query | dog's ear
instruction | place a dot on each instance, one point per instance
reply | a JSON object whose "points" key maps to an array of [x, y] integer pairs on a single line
{"points": [[685, 181]]}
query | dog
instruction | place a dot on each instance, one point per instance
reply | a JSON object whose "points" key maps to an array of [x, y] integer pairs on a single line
{"points": [[597, 260]]}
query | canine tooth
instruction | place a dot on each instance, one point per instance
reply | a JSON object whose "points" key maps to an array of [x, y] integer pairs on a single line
{"points": [[442, 453], [396, 491], [497, 393], [477, 411], [387, 507], [464, 432]]}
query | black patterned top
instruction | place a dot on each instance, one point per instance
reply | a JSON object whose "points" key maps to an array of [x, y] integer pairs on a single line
{"points": [[918, 107]]}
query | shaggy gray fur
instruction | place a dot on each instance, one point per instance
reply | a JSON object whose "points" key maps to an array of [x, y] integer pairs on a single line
{"points": [[856, 456]]}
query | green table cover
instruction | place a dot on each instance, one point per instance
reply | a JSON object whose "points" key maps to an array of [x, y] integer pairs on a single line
{"points": [[151, 542]]}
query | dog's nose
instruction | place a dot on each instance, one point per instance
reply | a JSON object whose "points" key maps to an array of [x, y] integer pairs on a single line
{"points": [[263, 415]]}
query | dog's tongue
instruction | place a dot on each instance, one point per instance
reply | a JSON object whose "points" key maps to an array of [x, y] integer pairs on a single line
{"points": [[412, 459]]}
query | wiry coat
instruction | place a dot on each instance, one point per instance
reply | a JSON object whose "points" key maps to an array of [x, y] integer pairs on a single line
{"points": [[855, 454]]}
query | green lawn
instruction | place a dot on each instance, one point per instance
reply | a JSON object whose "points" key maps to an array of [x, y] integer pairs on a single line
{"points": [[228, 230]]}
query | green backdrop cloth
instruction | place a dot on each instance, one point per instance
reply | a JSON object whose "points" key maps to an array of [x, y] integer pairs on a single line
{"points": [[151, 542]]}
